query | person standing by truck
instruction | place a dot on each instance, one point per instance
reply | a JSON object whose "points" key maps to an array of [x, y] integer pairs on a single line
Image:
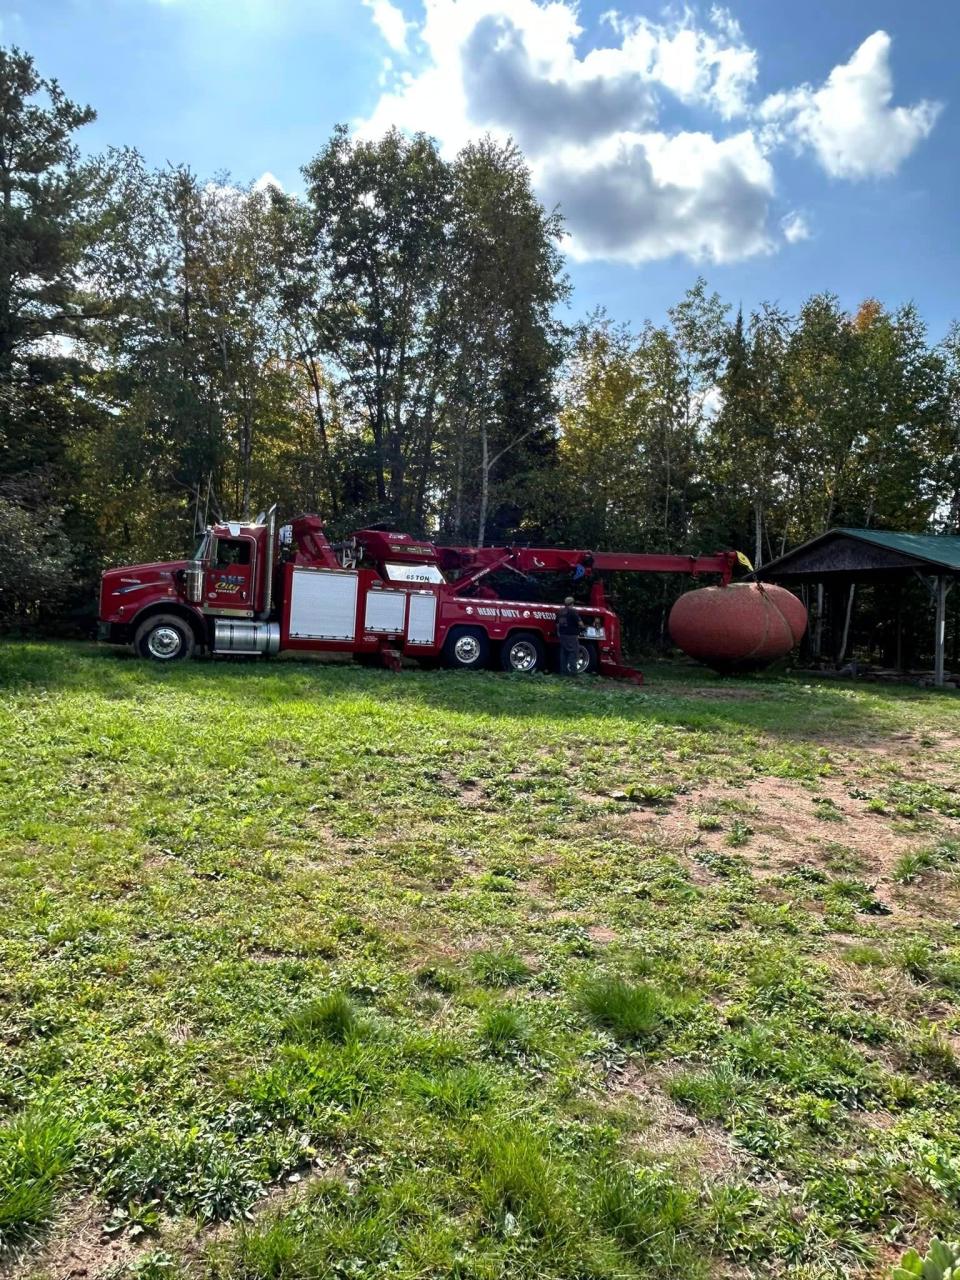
{"points": [[568, 630]]}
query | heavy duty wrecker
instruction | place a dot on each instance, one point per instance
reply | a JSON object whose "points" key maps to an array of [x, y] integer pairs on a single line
{"points": [[254, 589]]}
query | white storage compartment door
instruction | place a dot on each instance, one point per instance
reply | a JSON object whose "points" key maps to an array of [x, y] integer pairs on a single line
{"points": [[384, 611], [323, 606], [422, 618]]}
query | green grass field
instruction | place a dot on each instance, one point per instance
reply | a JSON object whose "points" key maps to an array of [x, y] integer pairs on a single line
{"points": [[312, 971]]}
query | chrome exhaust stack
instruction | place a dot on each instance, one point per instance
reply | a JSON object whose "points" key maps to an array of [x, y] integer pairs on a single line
{"points": [[271, 550], [193, 581]]}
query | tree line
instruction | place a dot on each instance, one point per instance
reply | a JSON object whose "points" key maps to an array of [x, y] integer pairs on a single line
{"points": [[393, 346]]}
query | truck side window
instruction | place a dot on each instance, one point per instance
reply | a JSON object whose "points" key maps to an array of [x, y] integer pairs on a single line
{"points": [[232, 551]]}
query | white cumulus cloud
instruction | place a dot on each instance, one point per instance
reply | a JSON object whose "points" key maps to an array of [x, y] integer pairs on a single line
{"points": [[637, 197], [795, 227], [593, 124], [390, 22], [266, 181], [849, 123]]}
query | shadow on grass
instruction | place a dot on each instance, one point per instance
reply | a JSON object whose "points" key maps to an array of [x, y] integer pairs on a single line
{"points": [[695, 698]]}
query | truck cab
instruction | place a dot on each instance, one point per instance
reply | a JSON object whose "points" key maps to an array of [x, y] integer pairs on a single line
{"points": [[221, 598]]}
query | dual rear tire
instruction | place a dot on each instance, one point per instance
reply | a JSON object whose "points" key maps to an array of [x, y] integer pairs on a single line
{"points": [[468, 649]]}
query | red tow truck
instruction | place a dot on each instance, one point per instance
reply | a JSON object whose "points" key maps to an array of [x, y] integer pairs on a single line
{"points": [[256, 589]]}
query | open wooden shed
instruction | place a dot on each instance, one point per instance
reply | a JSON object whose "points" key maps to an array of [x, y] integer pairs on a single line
{"points": [[849, 556]]}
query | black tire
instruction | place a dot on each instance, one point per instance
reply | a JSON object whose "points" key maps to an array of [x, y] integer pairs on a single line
{"points": [[466, 649], [523, 652], [588, 658], [165, 638]]}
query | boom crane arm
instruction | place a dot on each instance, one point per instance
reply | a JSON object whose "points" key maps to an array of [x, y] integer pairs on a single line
{"points": [[475, 563]]}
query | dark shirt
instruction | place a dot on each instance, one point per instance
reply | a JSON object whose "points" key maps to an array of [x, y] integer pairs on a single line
{"points": [[568, 622]]}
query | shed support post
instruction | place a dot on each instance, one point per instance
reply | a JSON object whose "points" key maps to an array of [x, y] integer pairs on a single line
{"points": [[941, 631]]}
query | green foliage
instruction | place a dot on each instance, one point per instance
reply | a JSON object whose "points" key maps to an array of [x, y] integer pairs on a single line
{"points": [[739, 834], [651, 1217], [912, 866], [332, 1017], [518, 1182], [709, 822], [502, 1029], [499, 968], [36, 1151], [941, 1262], [632, 1011], [457, 1092]]}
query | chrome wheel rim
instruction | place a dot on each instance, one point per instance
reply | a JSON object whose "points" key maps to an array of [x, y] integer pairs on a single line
{"points": [[583, 658], [523, 656], [467, 649], [164, 642]]}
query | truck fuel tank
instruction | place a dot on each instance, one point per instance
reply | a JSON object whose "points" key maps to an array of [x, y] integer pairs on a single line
{"points": [[235, 636]]}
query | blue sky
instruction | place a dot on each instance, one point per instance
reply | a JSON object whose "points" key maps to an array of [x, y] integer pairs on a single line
{"points": [[776, 149]]}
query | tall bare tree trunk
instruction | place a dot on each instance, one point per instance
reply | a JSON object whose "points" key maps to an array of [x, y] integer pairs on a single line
{"points": [[484, 481], [458, 488]]}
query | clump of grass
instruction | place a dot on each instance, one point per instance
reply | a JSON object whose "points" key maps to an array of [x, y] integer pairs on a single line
{"points": [[709, 822], [652, 793], [631, 1010], [826, 810], [518, 1184], [911, 866], [739, 834], [648, 1214], [933, 1052], [499, 968], [332, 1017], [502, 1029], [859, 895], [711, 1095], [494, 883], [438, 978], [842, 859], [915, 958], [457, 1092], [36, 1151]]}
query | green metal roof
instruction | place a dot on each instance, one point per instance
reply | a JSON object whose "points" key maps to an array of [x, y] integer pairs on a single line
{"points": [[936, 548]]}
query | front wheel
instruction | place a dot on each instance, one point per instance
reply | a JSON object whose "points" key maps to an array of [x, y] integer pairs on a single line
{"points": [[523, 652], [165, 638]]}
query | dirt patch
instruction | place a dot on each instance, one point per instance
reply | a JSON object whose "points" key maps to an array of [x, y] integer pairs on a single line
{"points": [[784, 823], [600, 933], [668, 1130], [470, 793], [77, 1248]]}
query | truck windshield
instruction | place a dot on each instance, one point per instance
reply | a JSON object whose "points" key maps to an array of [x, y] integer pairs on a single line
{"points": [[203, 548]]}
